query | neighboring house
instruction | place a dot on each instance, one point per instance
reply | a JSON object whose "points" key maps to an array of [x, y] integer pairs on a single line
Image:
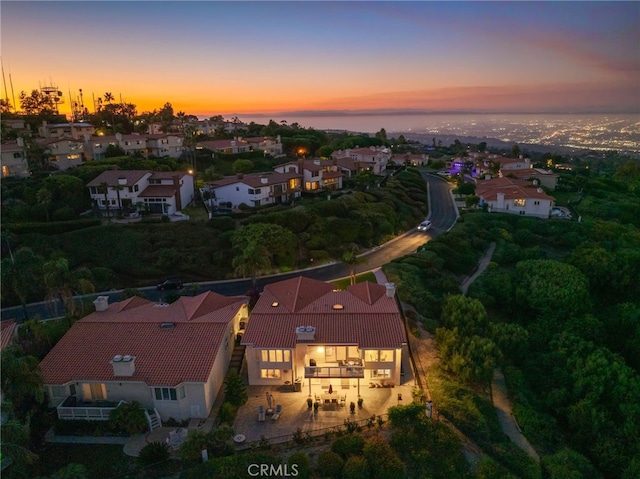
{"points": [[350, 167], [77, 131], [14, 159], [538, 176], [271, 146], [8, 333], [169, 357], [317, 175], [165, 144], [305, 331], [159, 192], [228, 147], [376, 156], [515, 196], [512, 163], [96, 146], [412, 159], [257, 189], [64, 153]]}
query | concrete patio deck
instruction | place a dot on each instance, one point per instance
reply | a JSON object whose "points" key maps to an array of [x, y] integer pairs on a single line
{"points": [[295, 413]]}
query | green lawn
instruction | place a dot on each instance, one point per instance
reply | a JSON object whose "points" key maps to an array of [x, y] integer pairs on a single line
{"points": [[344, 282], [196, 213]]}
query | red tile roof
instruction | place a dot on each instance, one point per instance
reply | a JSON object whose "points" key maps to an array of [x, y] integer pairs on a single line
{"points": [[256, 180], [368, 317], [158, 191], [110, 177], [511, 187], [8, 331], [163, 356]]}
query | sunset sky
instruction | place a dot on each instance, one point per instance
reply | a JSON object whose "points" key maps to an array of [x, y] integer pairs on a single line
{"points": [[266, 57]]}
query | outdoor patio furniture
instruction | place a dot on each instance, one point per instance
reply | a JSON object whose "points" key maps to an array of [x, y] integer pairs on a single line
{"points": [[343, 400], [174, 441], [261, 413], [277, 412]]}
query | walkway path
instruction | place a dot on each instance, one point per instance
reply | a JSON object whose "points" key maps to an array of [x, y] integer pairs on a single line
{"points": [[507, 421], [482, 265]]}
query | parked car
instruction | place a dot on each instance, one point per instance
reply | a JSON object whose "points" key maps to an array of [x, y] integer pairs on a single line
{"points": [[424, 226], [171, 283]]}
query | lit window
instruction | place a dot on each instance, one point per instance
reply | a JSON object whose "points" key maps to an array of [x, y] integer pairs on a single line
{"points": [[270, 373], [519, 202]]}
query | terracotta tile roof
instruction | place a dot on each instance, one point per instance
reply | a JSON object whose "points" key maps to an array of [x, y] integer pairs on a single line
{"points": [[256, 180], [110, 177], [527, 173], [511, 188], [11, 146], [367, 317], [8, 330], [220, 144], [50, 141], [327, 175], [163, 356], [158, 191], [166, 175]]}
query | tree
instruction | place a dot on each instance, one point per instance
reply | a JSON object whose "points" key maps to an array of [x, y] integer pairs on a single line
{"points": [[252, 261], [36, 103], [113, 151], [129, 417], [382, 135], [515, 151], [242, 166], [44, 197], [383, 461], [63, 283], [21, 380], [353, 260], [235, 391], [18, 275], [279, 242], [103, 188]]}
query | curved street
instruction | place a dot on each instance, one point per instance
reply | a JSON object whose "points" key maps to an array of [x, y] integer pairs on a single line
{"points": [[442, 213]]}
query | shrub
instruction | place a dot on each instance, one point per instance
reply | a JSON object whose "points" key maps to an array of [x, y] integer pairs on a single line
{"points": [[329, 464], [227, 413], [129, 417], [382, 460], [154, 453], [350, 445], [191, 449], [301, 460], [235, 390], [356, 468]]}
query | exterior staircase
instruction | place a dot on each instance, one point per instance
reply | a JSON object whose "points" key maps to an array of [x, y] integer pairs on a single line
{"points": [[237, 358], [153, 419]]}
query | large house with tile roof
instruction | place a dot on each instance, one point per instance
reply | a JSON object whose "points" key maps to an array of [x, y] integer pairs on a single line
{"points": [[317, 175], [304, 331], [270, 146], [172, 358], [228, 147], [515, 196], [537, 176], [8, 333], [64, 153], [257, 189], [77, 131], [158, 192], [376, 157]]}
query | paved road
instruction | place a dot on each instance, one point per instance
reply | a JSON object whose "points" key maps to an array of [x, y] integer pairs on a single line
{"points": [[442, 213]]}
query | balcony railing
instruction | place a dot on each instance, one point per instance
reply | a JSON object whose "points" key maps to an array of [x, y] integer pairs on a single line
{"points": [[89, 410], [334, 372]]}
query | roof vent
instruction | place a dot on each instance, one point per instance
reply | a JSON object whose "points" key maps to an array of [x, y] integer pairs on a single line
{"points": [[338, 306], [305, 333], [101, 303], [123, 365], [161, 305], [274, 304], [167, 325]]}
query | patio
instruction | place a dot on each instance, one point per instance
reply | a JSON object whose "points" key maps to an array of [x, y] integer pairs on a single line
{"points": [[296, 414]]}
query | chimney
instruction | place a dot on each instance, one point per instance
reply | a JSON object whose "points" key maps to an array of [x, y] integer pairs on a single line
{"points": [[101, 303], [305, 333], [122, 181], [264, 180], [391, 289], [123, 365], [316, 161], [176, 184]]}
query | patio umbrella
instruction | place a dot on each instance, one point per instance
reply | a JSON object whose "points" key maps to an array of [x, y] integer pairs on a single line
{"points": [[269, 400], [330, 389]]}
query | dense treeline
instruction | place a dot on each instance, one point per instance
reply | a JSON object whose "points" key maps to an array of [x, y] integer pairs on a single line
{"points": [[558, 308], [139, 254]]}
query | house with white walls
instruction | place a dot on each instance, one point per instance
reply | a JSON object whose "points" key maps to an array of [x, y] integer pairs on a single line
{"points": [[304, 331], [77, 131], [63, 153], [228, 147], [158, 192], [171, 358], [257, 189], [270, 145], [514, 196], [376, 156]]}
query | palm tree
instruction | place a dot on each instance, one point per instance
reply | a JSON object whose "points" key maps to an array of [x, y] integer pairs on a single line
{"points": [[44, 197], [352, 259], [18, 273], [118, 188], [63, 283], [22, 382], [254, 260], [104, 189]]}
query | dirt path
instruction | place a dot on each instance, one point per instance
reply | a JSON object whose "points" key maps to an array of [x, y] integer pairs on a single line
{"points": [[482, 265], [507, 421]]}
